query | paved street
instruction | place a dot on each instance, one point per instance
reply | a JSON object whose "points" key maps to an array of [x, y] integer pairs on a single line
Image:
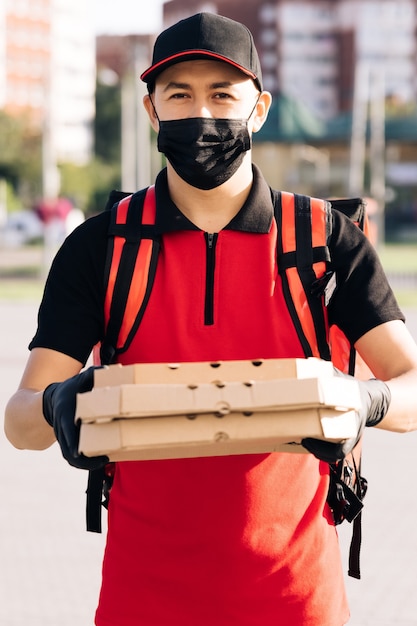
{"points": [[50, 567]]}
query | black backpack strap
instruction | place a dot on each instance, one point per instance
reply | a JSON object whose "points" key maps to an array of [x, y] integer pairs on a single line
{"points": [[115, 196], [94, 500], [347, 484], [132, 255], [346, 493], [303, 258], [302, 265]]}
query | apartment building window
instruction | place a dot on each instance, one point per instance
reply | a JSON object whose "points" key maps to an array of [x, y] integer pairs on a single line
{"points": [[20, 8], [268, 14], [37, 96], [269, 37], [34, 37], [303, 15], [20, 95]]}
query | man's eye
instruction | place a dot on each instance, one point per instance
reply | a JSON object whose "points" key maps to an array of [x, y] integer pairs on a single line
{"points": [[222, 96]]}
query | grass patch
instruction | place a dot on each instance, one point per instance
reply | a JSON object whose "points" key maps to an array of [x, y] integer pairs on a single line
{"points": [[28, 272], [406, 298], [399, 258], [21, 290]]}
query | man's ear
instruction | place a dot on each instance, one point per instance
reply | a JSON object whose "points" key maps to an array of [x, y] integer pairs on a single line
{"points": [[261, 110], [147, 103]]}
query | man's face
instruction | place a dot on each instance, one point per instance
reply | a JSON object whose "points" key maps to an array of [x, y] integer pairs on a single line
{"points": [[202, 89]]}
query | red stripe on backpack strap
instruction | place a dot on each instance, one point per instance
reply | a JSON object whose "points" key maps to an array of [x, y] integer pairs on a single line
{"points": [[137, 290], [299, 298], [288, 222], [122, 209], [318, 225], [318, 231], [149, 206]]}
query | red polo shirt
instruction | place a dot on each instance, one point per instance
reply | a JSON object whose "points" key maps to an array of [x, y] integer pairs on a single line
{"points": [[241, 540]]}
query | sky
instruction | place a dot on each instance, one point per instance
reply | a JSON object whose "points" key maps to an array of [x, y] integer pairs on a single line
{"points": [[121, 17]]}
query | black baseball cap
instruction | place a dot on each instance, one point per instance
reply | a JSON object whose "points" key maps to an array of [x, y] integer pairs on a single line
{"points": [[202, 36]]}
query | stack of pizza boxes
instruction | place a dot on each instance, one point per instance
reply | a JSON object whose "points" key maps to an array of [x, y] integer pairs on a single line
{"points": [[162, 411]]}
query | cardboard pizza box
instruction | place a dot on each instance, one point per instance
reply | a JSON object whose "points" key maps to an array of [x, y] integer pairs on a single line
{"points": [[185, 411], [208, 372], [147, 400], [207, 435]]}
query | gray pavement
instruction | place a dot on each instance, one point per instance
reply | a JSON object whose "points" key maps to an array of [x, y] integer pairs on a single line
{"points": [[50, 566]]}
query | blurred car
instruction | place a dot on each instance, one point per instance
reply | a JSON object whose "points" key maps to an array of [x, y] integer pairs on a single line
{"points": [[21, 228]]}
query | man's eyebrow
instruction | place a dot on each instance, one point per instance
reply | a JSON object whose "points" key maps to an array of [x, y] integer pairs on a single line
{"points": [[174, 85], [221, 84], [178, 85]]}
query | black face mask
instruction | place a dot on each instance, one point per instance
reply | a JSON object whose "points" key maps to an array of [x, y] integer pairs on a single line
{"points": [[205, 152]]}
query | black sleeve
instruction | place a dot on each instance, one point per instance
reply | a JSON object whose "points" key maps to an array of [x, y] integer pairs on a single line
{"points": [[363, 298], [70, 318]]}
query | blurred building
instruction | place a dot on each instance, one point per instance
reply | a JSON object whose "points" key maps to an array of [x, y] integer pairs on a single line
{"points": [[312, 54], [309, 48], [47, 72], [120, 60]]}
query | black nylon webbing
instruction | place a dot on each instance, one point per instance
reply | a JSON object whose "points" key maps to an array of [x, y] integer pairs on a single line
{"points": [[94, 497], [303, 258], [133, 232], [284, 262], [305, 262]]}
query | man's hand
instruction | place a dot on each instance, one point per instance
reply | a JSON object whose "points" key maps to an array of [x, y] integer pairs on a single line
{"points": [[59, 404], [376, 398]]}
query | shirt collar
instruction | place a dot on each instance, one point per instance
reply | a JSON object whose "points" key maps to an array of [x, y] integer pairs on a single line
{"points": [[255, 216]]}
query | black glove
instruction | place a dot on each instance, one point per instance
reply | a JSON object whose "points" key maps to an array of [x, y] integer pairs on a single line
{"points": [[59, 404], [376, 398]]}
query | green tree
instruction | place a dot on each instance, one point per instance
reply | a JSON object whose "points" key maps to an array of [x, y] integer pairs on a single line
{"points": [[88, 186], [21, 156], [107, 125]]}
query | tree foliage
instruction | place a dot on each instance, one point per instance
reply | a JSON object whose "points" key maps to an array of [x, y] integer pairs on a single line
{"points": [[107, 125], [88, 186], [20, 156]]}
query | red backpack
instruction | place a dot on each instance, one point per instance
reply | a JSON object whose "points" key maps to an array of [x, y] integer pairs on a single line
{"points": [[304, 226]]}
